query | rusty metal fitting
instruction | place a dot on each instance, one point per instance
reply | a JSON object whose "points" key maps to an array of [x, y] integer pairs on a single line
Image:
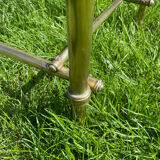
{"points": [[95, 84], [142, 2]]}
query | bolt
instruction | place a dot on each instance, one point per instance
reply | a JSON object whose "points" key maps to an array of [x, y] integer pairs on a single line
{"points": [[52, 67]]}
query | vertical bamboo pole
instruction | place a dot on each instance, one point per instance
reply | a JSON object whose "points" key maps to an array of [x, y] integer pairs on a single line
{"points": [[80, 18], [141, 14], [142, 10]]}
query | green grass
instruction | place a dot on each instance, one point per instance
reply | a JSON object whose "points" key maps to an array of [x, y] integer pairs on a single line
{"points": [[123, 121]]}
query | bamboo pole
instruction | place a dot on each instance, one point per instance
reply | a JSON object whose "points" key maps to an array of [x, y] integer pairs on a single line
{"points": [[142, 2], [80, 18], [42, 64], [141, 14], [61, 58], [106, 14], [142, 11]]}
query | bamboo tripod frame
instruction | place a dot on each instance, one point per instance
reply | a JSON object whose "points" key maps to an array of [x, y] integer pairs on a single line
{"points": [[80, 28]]}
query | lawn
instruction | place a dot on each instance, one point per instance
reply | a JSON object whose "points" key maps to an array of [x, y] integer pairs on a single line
{"points": [[122, 122]]}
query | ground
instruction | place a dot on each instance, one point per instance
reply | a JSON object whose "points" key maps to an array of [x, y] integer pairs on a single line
{"points": [[122, 122]]}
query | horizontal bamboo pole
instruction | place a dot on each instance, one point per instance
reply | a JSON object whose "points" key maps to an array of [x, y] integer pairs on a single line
{"points": [[42, 64], [61, 58], [142, 2]]}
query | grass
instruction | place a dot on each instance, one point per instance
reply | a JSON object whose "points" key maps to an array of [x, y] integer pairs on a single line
{"points": [[123, 121]]}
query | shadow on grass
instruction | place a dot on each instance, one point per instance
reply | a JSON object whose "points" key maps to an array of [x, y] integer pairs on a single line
{"points": [[56, 102]]}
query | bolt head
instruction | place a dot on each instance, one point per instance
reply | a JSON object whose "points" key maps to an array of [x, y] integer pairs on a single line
{"points": [[52, 68]]}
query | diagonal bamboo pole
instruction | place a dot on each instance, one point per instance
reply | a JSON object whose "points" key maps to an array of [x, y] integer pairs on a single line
{"points": [[142, 2]]}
